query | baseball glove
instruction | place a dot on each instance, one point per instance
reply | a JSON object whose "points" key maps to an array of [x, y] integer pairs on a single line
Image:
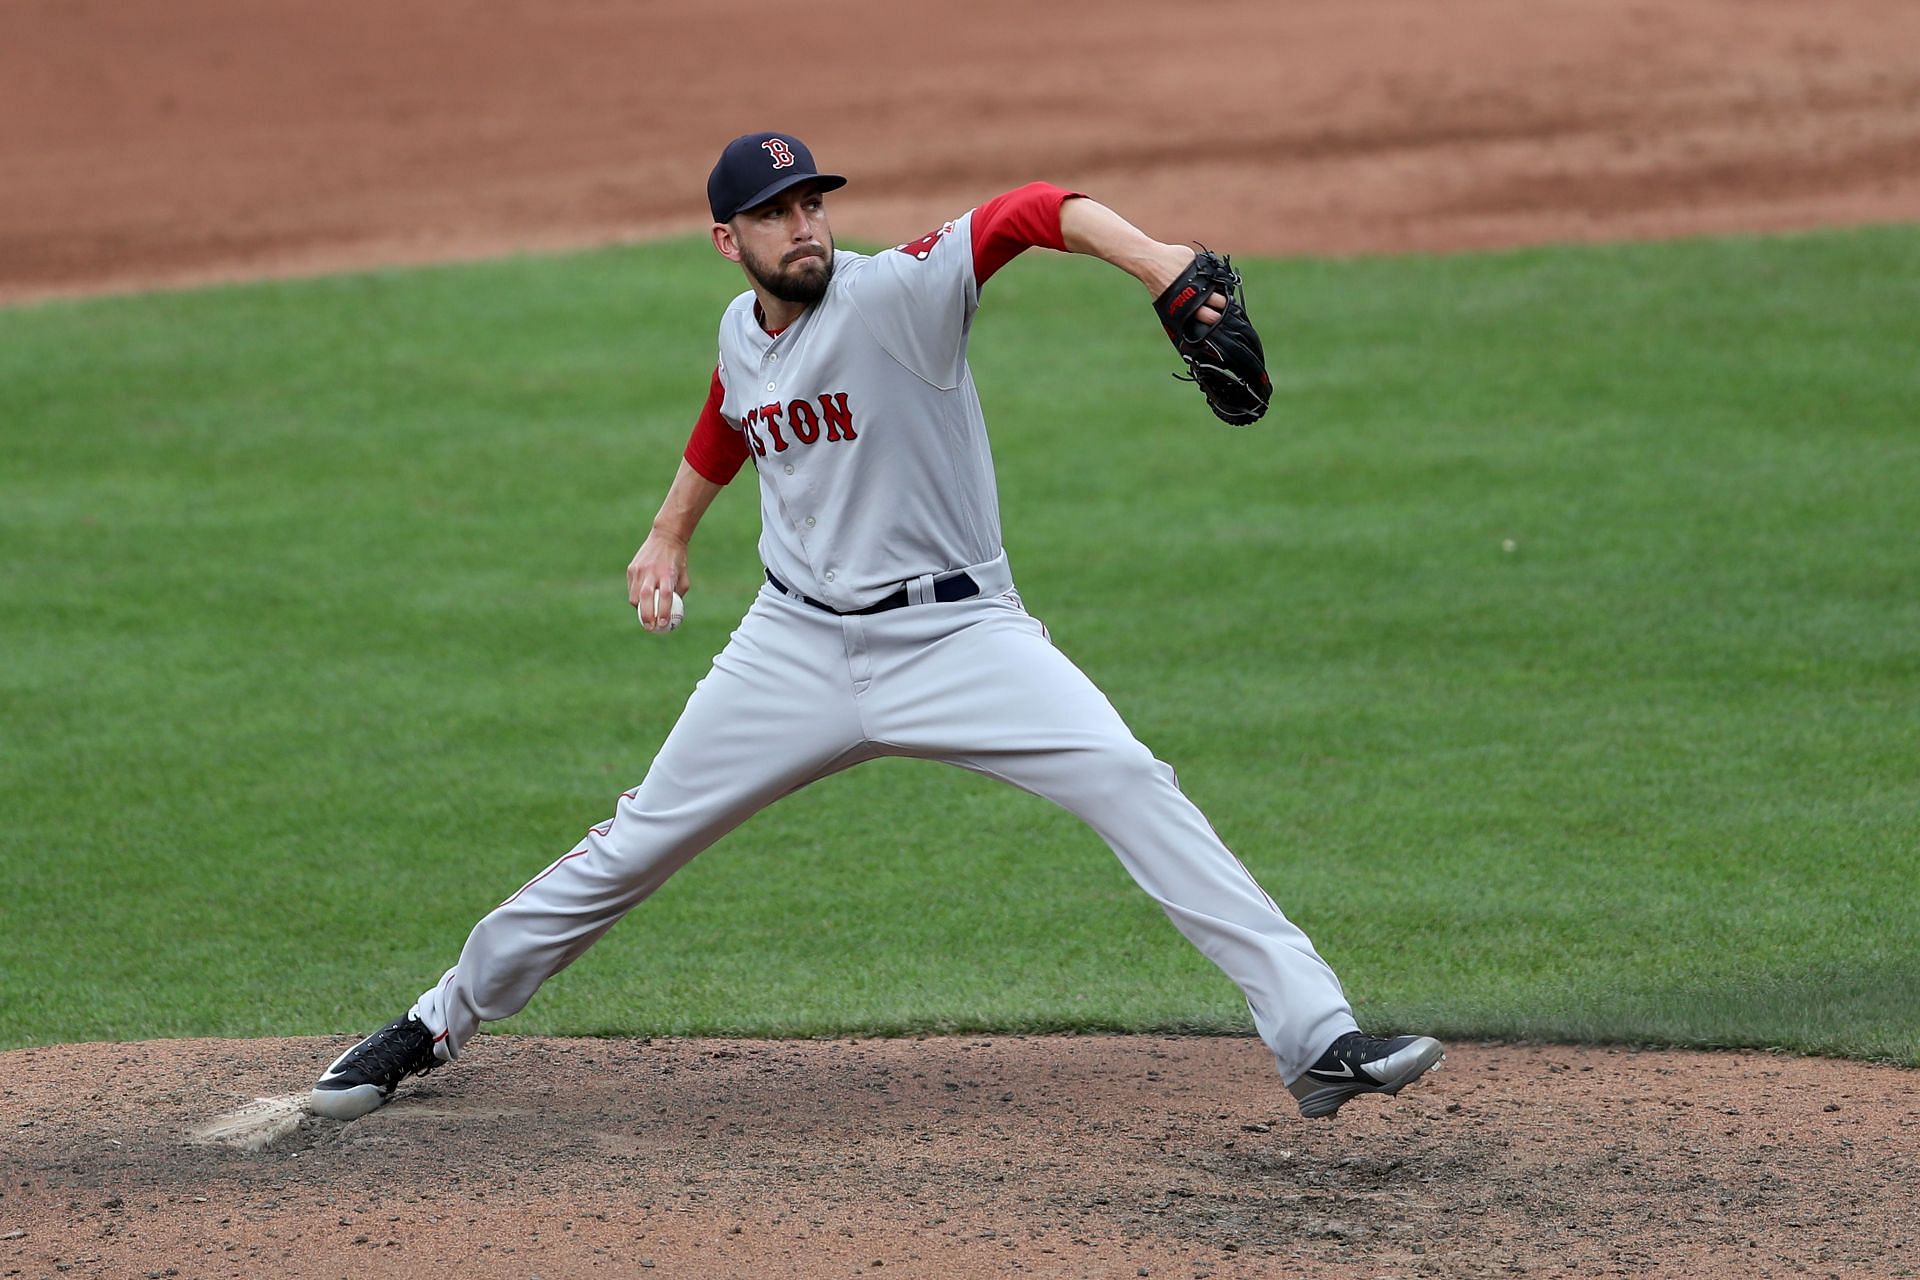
{"points": [[1225, 358]]}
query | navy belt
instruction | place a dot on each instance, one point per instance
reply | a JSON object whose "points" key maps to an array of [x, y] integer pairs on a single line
{"points": [[959, 586]]}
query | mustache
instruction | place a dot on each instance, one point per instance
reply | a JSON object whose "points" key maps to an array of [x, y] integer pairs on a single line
{"points": [[804, 252]]}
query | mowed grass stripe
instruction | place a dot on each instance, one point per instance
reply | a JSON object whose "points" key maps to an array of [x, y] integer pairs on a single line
{"points": [[316, 647]]}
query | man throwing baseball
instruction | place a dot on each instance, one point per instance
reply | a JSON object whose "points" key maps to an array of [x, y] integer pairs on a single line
{"points": [[889, 624]]}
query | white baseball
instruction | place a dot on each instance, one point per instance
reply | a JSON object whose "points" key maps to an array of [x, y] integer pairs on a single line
{"points": [[676, 610]]}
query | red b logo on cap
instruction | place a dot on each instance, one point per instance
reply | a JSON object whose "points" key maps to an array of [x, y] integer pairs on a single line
{"points": [[782, 157]]}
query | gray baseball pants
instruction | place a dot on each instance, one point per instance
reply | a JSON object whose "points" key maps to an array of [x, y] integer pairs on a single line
{"points": [[975, 683]]}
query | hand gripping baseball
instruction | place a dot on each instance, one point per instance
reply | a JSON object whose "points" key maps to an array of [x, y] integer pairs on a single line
{"points": [[1224, 358], [656, 580]]}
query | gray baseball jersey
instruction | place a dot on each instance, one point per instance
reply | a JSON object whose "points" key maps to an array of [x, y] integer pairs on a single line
{"points": [[864, 425]]}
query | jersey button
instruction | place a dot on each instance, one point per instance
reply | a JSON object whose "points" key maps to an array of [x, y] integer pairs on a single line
{"points": [[810, 525], [769, 386], [829, 575], [789, 468]]}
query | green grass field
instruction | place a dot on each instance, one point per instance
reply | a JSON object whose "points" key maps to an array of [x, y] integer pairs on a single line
{"points": [[1552, 652]]}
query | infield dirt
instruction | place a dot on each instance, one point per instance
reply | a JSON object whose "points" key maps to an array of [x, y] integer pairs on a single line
{"points": [[216, 140], [220, 139], [962, 1157]]}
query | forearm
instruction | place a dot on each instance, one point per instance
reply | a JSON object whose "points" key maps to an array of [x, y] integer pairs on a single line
{"points": [[1089, 227], [659, 568], [686, 502]]}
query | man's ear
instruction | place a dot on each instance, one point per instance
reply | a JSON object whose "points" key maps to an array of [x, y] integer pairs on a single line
{"points": [[724, 243]]}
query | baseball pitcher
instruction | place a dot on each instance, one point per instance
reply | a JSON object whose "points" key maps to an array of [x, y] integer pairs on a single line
{"points": [[889, 624]]}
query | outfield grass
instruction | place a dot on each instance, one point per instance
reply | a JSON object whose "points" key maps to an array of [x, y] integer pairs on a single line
{"points": [[1552, 652]]}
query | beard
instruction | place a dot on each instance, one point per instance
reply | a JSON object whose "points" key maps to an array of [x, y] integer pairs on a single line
{"points": [[802, 280]]}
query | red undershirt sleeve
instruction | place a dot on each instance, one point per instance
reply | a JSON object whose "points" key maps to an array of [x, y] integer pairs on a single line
{"points": [[715, 449], [1025, 218]]}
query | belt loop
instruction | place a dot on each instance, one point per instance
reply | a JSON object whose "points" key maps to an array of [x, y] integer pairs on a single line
{"points": [[786, 590], [920, 589]]}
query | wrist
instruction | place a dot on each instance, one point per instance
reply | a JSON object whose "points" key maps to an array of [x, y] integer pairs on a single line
{"points": [[1161, 264]]}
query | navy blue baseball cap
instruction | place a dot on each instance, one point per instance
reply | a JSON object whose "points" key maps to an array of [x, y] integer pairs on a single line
{"points": [[756, 167]]}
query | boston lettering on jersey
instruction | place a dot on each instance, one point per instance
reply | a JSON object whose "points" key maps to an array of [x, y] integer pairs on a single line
{"points": [[834, 418], [997, 231]]}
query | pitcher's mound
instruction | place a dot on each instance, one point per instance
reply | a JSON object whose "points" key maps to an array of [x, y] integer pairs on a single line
{"points": [[1108, 1156]]}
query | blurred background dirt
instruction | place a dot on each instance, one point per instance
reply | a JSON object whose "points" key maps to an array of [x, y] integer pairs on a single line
{"points": [[219, 139]]}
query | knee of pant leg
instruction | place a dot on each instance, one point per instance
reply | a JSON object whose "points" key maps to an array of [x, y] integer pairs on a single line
{"points": [[1123, 773]]}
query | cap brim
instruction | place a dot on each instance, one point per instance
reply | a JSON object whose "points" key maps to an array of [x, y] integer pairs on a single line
{"points": [[827, 181]]}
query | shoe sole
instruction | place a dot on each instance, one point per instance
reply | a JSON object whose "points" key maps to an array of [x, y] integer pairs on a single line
{"points": [[1426, 1054], [347, 1104]]}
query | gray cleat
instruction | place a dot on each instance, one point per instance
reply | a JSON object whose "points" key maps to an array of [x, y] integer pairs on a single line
{"points": [[365, 1076], [1357, 1063]]}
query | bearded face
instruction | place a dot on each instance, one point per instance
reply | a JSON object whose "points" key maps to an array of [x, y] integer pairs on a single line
{"points": [[799, 275], [785, 245]]}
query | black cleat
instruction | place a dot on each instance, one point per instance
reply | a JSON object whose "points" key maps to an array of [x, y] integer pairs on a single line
{"points": [[1357, 1063], [366, 1075]]}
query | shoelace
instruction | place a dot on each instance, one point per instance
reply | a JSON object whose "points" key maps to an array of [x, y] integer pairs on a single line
{"points": [[1351, 1051], [389, 1058]]}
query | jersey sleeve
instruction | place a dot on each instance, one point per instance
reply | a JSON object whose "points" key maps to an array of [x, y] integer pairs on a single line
{"points": [[715, 449], [918, 299], [1025, 218]]}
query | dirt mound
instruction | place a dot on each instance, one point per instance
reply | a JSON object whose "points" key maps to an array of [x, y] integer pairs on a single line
{"points": [[1120, 1156], [210, 139]]}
